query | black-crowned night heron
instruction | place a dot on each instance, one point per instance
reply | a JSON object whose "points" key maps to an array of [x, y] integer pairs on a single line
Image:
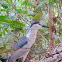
{"points": [[26, 42]]}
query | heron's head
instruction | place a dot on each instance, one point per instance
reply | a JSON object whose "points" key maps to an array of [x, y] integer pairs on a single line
{"points": [[37, 25]]}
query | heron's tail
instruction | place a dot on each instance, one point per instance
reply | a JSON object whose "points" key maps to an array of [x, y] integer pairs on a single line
{"points": [[2, 59]]}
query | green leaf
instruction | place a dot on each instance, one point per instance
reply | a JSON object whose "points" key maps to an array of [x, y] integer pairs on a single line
{"points": [[53, 1], [4, 47], [23, 12], [38, 41], [57, 42], [17, 26], [61, 30], [18, 10], [37, 17], [41, 31], [4, 4], [46, 37], [4, 19], [2, 10]]}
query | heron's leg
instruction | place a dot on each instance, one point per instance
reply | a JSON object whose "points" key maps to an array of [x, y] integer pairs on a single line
{"points": [[24, 57], [14, 61]]}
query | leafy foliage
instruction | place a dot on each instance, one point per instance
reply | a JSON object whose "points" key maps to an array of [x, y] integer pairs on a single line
{"points": [[15, 17]]}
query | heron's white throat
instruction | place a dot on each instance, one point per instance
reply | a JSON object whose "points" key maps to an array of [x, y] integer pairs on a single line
{"points": [[32, 35]]}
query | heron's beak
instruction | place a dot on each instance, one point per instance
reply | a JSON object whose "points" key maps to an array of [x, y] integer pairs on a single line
{"points": [[45, 26]]}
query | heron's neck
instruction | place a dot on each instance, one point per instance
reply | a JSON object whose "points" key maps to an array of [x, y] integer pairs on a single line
{"points": [[32, 34]]}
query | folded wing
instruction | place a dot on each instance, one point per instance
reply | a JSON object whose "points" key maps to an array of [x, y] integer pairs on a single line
{"points": [[21, 42]]}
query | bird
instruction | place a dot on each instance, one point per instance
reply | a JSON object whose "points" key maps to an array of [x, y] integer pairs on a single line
{"points": [[23, 46]]}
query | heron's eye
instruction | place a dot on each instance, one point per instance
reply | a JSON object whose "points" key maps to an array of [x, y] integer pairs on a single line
{"points": [[39, 24]]}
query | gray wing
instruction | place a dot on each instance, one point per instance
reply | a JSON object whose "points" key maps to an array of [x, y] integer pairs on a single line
{"points": [[21, 42]]}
